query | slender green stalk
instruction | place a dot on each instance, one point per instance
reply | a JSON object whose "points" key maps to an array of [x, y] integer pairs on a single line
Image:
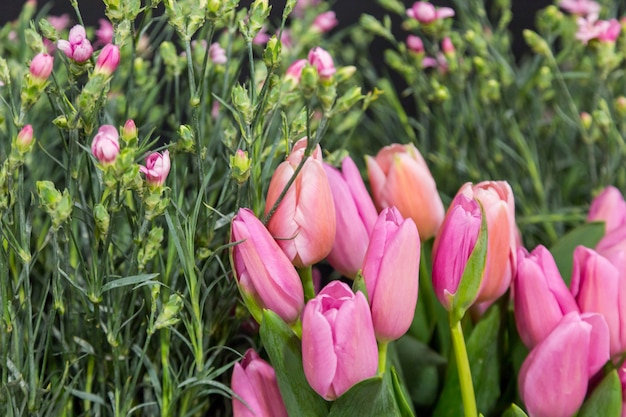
{"points": [[382, 357], [306, 275], [463, 368]]}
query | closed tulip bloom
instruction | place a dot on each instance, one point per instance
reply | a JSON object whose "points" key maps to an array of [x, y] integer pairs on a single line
{"points": [[108, 60], [599, 287], [400, 177], [540, 295], [105, 145], [554, 377], [157, 167], [304, 222], [355, 219], [263, 271], [497, 200], [338, 343], [254, 380], [390, 272], [41, 67], [322, 61], [609, 206]]}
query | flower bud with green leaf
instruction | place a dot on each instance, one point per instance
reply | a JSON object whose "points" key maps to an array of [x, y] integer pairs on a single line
{"points": [[58, 205]]}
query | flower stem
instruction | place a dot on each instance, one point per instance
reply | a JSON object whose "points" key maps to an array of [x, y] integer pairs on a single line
{"points": [[463, 367], [306, 276], [382, 357]]}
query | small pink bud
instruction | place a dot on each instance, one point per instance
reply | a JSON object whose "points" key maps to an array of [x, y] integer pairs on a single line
{"points": [[77, 47], [415, 44], [580, 7], [261, 37], [157, 167], [59, 22], [104, 32], [77, 35], [105, 145], [82, 51], [447, 46], [294, 72], [41, 66], [322, 61], [426, 13], [129, 131], [24, 139], [217, 54], [325, 22], [108, 60]]}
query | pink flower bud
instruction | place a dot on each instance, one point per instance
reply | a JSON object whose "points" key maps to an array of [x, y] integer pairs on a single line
{"points": [[599, 287], [24, 139], [426, 13], [304, 222], [254, 380], [157, 167], [571, 354], [355, 219], [105, 145], [294, 72], [59, 22], [540, 296], [217, 54], [338, 344], [447, 46], [82, 51], [261, 37], [390, 271], [77, 35], [322, 61], [325, 22], [263, 271], [108, 60], [77, 47], [415, 44], [400, 177], [41, 67], [104, 32], [609, 206], [580, 7], [610, 31], [129, 131]]}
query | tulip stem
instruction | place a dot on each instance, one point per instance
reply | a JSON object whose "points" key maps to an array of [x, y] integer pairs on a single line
{"points": [[306, 276], [382, 357], [463, 368]]}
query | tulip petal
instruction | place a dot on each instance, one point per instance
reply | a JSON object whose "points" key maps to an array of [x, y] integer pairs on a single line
{"points": [[242, 386]]}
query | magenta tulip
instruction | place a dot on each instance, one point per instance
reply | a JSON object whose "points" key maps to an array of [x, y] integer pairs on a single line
{"points": [[338, 343], [390, 271], [157, 167], [105, 145], [263, 271], [355, 218], [540, 295], [254, 382], [304, 223], [554, 377], [400, 177], [609, 206]]}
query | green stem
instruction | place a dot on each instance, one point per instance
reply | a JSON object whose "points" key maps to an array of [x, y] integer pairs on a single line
{"points": [[382, 357], [306, 275], [463, 368]]}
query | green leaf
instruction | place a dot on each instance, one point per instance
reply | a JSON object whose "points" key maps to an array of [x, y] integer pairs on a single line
{"points": [[605, 400], [514, 411], [283, 348], [472, 274], [122, 282], [401, 401], [588, 234], [372, 397], [484, 358]]}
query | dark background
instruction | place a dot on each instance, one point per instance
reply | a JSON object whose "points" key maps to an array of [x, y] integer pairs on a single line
{"points": [[348, 12]]}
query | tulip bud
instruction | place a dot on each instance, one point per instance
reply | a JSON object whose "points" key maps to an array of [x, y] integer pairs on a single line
{"points": [[156, 169], [321, 60], [304, 221], [390, 272], [609, 206], [24, 140], [599, 287], [105, 145], [355, 219], [254, 382], [540, 295], [572, 353], [41, 67], [338, 343], [108, 60], [400, 177], [266, 277]]}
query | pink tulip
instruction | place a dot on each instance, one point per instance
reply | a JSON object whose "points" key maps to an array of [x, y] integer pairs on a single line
{"points": [[609, 206], [554, 377], [254, 381], [390, 271], [41, 67], [157, 167], [400, 177], [355, 219], [104, 32], [415, 44], [426, 13], [599, 287], [105, 145], [580, 7], [263, 271], [294, 72], [304, 223], [338, 343], [322, 61], [613, 247], [324, 22], [108, 60], [540, 295], [77, 47]]}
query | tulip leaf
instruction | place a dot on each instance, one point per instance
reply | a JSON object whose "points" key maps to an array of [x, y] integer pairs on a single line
{"points": [[605, 400], [472, 274], [401, 401], [514, 411], [484, 358], [588, 235], [372, 397], [283, 348]]}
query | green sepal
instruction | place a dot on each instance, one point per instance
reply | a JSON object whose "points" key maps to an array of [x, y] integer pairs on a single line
{"points": [[283, 348], [514, 411], [605, 400]]}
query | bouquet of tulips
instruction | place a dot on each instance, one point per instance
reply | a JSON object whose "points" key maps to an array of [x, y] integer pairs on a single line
{"points": [[190, 223]]}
